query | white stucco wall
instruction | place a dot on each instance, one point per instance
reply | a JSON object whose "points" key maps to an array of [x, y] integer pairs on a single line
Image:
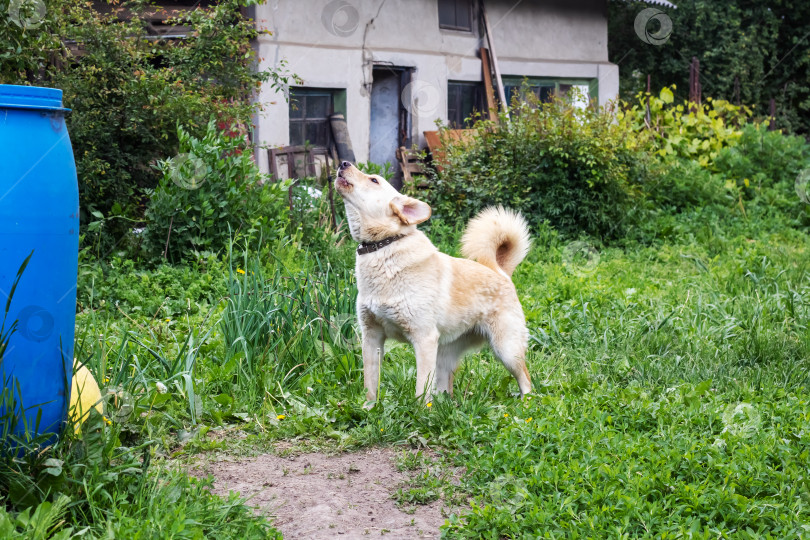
{"points": [[335, 43]]}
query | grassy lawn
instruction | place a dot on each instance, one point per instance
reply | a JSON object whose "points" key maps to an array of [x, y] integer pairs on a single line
{"points": [[670, 390], [670, 365]]}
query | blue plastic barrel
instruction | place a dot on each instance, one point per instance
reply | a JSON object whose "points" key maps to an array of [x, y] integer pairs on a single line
{"points": [[39, 216]]}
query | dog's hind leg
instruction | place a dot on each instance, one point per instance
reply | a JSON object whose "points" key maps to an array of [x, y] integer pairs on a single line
{"points": [[425, 345], [509, 340], [449, 357], [447, 360]]}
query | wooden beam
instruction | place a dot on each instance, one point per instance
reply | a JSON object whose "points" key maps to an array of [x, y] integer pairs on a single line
{"points": [[491, 42], [492, 108]]}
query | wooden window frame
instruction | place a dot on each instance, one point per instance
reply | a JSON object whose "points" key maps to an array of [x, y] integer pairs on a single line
{"points": [[445, 26]]}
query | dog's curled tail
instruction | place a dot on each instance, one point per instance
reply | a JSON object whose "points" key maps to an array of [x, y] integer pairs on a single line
{"points": [[498, 238]]}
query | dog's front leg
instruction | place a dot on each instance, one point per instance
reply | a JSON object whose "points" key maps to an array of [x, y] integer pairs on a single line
{"points": [[373, 350], [425, 346]]}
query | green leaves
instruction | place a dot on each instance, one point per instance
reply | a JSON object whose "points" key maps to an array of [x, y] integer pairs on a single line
{"points": [[693, 396], [553, 161], [209, 193]]}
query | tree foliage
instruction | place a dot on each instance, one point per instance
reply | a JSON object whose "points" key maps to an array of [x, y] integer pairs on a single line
{"points": [[128, 91], [763, 45]]}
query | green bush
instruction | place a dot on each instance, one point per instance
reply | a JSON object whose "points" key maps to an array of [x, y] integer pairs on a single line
{"points": [[685, 130], [682, 183], [210, 192], [128, 92], [763, 158], [552, 161]]}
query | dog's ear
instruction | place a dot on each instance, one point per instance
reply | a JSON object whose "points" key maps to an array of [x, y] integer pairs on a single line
{"points": [[409, 210]]}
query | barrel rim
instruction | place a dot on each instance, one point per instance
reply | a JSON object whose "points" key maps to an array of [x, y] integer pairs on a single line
{"points": [[40, 98]]}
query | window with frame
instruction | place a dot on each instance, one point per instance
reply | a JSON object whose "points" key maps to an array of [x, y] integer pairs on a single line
{"points": [[310, 109], [546, 89], [463, 100], [455, 15]]}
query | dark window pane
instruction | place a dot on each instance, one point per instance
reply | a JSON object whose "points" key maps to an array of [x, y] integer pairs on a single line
{"points": [[309, 116], [316, 133], [296, 108], [296, 133], [455, 14], [317, 106], [447, 12], [463, 14], [463, 99]]}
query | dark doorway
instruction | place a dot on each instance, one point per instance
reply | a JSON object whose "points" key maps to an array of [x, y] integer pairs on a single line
{"points": [[389, 119]]}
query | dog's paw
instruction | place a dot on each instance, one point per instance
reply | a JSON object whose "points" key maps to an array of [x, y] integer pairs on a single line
{"points": [[368, 405]]}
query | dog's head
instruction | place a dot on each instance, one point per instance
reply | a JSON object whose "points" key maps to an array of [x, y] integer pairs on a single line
{"points": [[375, 209]]}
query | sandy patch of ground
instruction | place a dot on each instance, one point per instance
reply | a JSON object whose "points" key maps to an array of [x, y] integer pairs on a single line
{"points": [[322, 496]]}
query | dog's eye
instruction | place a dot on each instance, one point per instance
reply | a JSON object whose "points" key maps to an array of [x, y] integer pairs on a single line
{"points": [[374, 180]]}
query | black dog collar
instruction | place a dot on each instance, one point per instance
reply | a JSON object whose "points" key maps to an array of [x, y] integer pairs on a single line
{"points": [[364, 248]]}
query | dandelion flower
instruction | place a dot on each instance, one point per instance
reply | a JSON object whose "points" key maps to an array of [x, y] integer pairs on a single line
{"points": [[281, 417], [506, 415], [240, 271], [529, 419], [430, 404]]}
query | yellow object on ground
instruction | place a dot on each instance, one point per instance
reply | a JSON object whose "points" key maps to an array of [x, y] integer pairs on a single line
{"points": [[84, 396]]}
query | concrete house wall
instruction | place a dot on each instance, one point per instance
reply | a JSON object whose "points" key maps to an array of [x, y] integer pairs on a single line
{"points": [[336, 44]]}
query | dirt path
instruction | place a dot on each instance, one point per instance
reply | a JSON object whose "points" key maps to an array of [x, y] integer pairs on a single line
{"points": [[320, 496]]}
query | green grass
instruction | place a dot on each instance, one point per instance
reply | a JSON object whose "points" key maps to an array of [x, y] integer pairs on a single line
{"points": [[670, 392]]}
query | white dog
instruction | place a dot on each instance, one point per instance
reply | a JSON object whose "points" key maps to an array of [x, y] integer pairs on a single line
{"points": [[443, 306]]}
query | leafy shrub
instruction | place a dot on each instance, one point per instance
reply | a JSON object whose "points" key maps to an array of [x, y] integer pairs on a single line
{"points": [[762, 158], [685, 130], [208, 193], [385, 170], [128, 93], [552, 161], [682, 183]]}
